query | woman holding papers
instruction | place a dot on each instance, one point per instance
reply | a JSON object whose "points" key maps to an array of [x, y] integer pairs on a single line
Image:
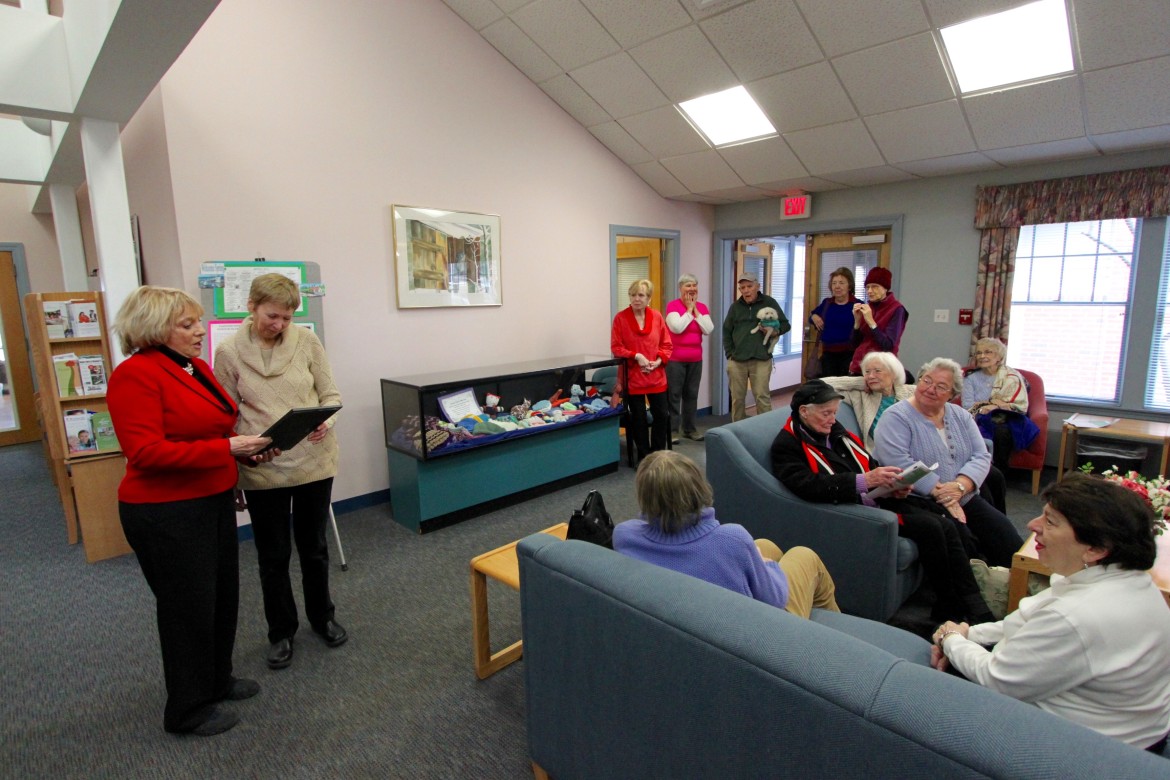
{"points": [[1094, 647], [175, 424], [819, 460], [928, 428], [268, 367]]}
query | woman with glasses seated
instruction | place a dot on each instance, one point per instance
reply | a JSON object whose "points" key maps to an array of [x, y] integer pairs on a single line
{"points": [[927, 427], [997, 397]]}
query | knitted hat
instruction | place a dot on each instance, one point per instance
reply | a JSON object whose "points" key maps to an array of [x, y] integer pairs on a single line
{"points": [[814, 391], [880, 276]]}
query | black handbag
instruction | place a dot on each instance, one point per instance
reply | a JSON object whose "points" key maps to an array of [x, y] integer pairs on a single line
{"points": [[591, 523]]}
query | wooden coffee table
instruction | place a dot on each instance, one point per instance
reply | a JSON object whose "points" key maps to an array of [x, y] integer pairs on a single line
{"points": [[1026, 560], [1123, 428], [500, 564]]}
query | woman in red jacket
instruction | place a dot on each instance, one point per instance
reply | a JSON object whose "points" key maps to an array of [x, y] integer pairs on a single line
{"points": [[174, 423], [641, 337]]}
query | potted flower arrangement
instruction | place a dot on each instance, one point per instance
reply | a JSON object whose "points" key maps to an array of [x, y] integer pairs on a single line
{"points": [[1155, 490]]}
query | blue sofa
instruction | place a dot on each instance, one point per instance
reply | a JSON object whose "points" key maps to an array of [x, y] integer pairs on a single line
{"points": [[635, 671], [875, 570]]}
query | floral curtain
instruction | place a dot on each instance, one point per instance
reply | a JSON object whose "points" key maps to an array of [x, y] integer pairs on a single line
{"points": [[1000, 212]]}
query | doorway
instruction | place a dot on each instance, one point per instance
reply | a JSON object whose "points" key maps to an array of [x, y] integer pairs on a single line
{"points": [[18, 419], [642, 253]]}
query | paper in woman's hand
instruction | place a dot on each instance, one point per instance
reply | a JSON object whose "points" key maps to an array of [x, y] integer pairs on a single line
{"points": [[911, 474]]}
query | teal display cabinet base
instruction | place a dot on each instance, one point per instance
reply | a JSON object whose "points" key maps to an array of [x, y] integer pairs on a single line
{"points": [[427, 495]]}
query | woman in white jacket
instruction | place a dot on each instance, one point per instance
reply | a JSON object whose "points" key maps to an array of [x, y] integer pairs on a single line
{"points": [[1095, 647]]}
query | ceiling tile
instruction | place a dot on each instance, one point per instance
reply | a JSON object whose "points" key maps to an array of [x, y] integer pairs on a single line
{"points": [[895, 75], [763, 161], [947, 166], [618, 141], [741, 194], [1045, 152], [803, 98], [619, 86], [511, 41], [702, 198], [1128, 97], [1145, 32], [944, 13], [684, 65], [1132, 140], [802, 184], [937, 130], [701, 9], [508, 6], [702, 171], [664, 132], [882, 174], [566, 31], [574, 100], [632, 23], [477, 13], [762, 38], [660, 179], [840, 147], [848, 25], [1050, 111]]}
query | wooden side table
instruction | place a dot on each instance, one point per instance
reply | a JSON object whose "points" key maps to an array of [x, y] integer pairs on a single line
{"points": [[500, 564], [1122, 428]]}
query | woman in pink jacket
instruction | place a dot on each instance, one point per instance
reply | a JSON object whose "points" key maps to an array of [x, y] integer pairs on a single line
{"points": [[689, 322], [641, 337]]}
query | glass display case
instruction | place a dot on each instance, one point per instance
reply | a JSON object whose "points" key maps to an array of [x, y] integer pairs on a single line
{"points": [[421, 414]]}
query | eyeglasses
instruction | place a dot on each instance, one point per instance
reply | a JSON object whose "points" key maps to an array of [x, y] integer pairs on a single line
{"points": [[939, 387], [991, 352]]}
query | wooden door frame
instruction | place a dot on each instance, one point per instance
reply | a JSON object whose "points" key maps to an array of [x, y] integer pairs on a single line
{"points": [[723, 268], [16, 350], [670, 256]]}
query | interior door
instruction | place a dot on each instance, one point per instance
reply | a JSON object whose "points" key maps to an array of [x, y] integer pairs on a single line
{"points": [[754, 257], [18, 419], [858, 251], [639, 258]]}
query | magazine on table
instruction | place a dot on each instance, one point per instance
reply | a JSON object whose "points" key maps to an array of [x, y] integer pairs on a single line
{"points": [[911, 474]]}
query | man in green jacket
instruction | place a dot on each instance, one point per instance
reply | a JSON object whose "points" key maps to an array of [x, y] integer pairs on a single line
{"points": [[748, 358]]}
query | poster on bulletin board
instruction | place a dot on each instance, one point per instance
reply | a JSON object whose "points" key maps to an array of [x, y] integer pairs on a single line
{"points": [[231, 298], [219, 331]]}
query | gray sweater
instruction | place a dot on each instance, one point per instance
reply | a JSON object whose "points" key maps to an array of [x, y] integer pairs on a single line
{"points": [[906, 435]]}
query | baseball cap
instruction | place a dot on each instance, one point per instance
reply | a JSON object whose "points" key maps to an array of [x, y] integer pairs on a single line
{"points": [[747, 276]]}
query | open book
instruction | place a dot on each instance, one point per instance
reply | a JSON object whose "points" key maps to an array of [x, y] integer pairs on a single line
{"points": [[911, 474]]}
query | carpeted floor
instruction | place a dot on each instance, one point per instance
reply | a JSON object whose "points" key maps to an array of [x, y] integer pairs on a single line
{"points": [[83, 677]]}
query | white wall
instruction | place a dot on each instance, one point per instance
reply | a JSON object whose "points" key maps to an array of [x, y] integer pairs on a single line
{"points": [[293, 125]]}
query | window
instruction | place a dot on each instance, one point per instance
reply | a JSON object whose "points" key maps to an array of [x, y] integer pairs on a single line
{"points": [[788, 290], [1071, 303], [1158, 379]]}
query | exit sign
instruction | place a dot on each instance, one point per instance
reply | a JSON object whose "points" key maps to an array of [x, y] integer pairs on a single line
{"points": [[796, 207]]}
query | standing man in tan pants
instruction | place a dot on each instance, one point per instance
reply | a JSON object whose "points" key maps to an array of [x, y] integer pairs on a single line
{"points": [[748, 358]]}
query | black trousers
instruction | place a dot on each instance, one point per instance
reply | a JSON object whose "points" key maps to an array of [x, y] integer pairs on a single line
{"points": [[270, 510], [683, 380], [994, 533], [647, 439], [190, 557], [944, 557], [836, 363]]}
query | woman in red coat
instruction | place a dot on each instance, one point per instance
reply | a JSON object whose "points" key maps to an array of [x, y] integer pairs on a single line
{"points": [[174, 423], [641, 337]]}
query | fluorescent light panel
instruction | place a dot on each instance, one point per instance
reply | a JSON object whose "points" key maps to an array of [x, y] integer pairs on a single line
{"points": [[1022, 44], [727, 117]]}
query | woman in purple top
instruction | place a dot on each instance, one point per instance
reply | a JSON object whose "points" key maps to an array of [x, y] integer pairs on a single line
{"points": [[833, 318], [689, 321], [679, 531]]}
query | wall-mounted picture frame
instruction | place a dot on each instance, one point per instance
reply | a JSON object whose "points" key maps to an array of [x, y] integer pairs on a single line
{"points": [[446, 258]]}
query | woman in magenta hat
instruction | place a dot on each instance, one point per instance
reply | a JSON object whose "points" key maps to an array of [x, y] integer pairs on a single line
{"points": [[879, 322]]}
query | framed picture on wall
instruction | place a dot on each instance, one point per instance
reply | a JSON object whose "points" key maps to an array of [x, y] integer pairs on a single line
{"points": [[446, 258]]}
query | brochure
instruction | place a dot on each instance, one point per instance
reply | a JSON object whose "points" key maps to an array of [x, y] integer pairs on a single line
{"points": [[911, 474], [103, 432], [78, 431], [65, 367], [93, 374], [83, 319], [57, 319]]}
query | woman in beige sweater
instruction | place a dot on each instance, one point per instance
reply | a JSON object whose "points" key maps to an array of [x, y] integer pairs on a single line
{"points": [[881, 385], [268, 367]]}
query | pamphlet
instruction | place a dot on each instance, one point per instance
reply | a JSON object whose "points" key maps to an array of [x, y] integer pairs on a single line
{"points": [[93, 374], [83, 319], [911, 474], [1087, 421], [78, 431], [103, 431], [65, 367], [56, 319]]}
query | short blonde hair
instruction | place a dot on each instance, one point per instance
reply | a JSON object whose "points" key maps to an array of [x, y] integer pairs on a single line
{"points": [[275, 288], [149, 313], [671, 491], [994, 344], [645, 284]]}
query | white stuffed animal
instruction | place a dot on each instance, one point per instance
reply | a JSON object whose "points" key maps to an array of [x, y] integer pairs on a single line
{"points": [[769, 326]]}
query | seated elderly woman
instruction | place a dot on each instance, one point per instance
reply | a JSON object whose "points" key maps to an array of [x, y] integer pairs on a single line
{"points": [[678, 531], [881, 385], [819, 460], [1094, 647], [997, 397], [927, 427]]}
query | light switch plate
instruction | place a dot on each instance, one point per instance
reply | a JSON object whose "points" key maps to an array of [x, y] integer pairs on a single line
{"points": [[942, 315]]}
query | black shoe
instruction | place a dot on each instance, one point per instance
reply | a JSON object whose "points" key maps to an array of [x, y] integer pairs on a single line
{"points": [[241, 689], [333, 633], [217, 722], [280, 654]]}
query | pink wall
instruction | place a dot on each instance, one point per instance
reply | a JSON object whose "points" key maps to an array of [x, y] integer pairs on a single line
{"points": [[18, 225], [293, 125]]}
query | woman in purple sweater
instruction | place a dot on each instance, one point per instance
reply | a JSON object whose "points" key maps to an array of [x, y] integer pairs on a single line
{"points": [[679, 531], [689, 321]]}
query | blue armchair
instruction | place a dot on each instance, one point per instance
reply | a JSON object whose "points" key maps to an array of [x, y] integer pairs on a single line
{"points": [[875, 570]]}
